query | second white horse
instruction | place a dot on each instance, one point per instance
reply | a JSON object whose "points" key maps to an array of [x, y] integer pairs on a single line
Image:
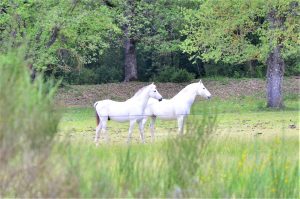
{"points": [[177, 107]]}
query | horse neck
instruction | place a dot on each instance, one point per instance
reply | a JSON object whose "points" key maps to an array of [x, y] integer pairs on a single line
{"points": [[141, 98], [187, 95]]}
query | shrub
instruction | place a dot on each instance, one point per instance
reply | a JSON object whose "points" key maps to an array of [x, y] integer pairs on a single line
{"points": [[28, 123], [82, 76], [171, 74], [101, 74], [235, 70], [182, 75], [105, 74]]}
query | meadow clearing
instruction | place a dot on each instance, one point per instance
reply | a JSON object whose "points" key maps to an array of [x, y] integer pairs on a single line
{"points": [[232, 147]]}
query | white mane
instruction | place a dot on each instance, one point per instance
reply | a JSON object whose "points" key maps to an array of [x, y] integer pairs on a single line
{"points": [[184, 90], [141, 90]]}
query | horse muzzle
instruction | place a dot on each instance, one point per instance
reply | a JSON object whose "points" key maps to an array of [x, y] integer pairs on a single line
{"points": [[209, 97], [160, 99]]}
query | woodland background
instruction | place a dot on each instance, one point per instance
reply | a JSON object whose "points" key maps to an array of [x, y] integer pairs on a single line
{"points": [[101, 41]]}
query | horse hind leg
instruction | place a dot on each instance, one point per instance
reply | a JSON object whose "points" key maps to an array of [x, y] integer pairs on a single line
{"points": [[98, 127], [98, 132], [103, 127]]}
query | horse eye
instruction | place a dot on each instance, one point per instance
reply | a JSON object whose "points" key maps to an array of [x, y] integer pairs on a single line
{"points": [[154, 91], [203, 88]]}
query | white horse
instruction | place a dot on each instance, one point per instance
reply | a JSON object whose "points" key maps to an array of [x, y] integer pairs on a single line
{"points": [[177, 107], [131, 110]]}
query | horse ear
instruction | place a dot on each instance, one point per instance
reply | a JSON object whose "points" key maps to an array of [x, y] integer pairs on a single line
{"points": [[200, 81]]}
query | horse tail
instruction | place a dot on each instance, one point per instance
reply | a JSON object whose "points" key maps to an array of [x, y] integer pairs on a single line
{"points": [[97, 118]]}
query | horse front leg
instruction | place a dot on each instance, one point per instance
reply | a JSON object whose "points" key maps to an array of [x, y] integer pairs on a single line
{"points": [[131, 125], [141, 128], [153, 119], [180, 122]]}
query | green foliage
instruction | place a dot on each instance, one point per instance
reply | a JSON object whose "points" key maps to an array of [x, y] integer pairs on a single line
{"points": [[234, 70], [28, 124], [114, 74], [93, 75], [172, 74], [182, 76], [239, 31], [155, 26], [74, 39], [293, 66], [79, 29]]}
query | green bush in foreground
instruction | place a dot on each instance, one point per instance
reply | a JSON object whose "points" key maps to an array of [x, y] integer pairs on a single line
{"points": [[28, 123]]}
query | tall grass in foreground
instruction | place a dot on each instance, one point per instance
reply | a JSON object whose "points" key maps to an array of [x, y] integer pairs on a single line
{"points": [[28, 123]]}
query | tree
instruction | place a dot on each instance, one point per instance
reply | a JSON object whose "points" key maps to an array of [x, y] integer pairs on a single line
{"points": [[130, 39], [134, 22], [237, 31], [60, 35], [151, 28]]}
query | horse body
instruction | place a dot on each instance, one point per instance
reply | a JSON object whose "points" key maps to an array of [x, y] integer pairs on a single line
{"points": [[130, 110], [120, 111], [167, 109], [153, 109], [177, 107]]}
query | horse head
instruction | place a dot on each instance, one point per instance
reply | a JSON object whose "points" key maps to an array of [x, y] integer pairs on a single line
{"points": [[153, 93], [202, 91]]}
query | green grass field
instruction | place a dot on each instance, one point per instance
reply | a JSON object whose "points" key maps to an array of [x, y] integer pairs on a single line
{"points": [[232, 148]]}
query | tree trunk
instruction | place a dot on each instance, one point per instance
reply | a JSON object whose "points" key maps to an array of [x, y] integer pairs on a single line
{"points": [[275, 73], [275, 64], [54, 35], [130, 66]]}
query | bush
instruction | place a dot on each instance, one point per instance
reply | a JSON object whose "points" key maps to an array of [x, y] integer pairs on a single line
{"points": [[82, 76], [171, 74], [235, 70], [101, 74], [105, 74], [28, 123], [182, 76], [295, 71]]}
